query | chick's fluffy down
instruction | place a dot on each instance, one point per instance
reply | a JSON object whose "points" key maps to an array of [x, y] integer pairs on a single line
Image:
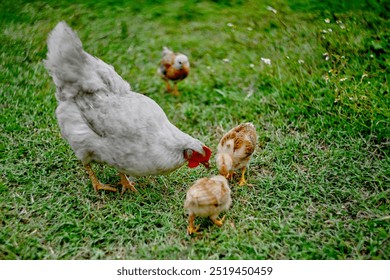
{"points": [[208, 197]]}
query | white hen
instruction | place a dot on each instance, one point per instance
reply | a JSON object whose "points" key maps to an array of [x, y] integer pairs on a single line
{"points": [[104, 121]]}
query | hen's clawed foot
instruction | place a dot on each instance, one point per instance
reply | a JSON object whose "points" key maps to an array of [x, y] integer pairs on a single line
{"points": [[95, 182], [126, 184], [105, 187], [218, 222]]}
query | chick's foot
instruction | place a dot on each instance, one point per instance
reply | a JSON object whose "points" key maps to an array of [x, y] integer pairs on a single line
{"points": [[218, 222], [175, 90], [169, 89], [242, 181], [191, 228]]}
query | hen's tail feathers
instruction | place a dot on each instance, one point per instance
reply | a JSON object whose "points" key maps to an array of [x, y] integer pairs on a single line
{"points": [[65, 56], [74, 71]]}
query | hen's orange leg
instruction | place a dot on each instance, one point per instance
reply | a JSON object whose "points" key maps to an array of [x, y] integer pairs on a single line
{"points": [[95, 182], [242, 181], [218, 222], [126, 184], [191, 228]]}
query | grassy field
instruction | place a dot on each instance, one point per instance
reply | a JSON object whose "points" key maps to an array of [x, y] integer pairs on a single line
{"points": [[320, 174]]}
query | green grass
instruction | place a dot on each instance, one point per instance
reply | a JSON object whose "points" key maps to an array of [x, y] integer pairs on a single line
{"points": [[320, 173]]}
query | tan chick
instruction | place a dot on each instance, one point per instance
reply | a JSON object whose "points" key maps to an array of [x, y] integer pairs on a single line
{"points": [[235, 150], [173, 67], [208, 197]]}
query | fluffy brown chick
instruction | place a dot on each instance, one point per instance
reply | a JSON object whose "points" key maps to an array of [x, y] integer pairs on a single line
{"points": [[208, 197], [173, 67], [235, 150]]}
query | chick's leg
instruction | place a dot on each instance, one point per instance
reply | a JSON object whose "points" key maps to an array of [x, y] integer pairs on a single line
{"points": [[230, 175], [218, 222], [191, 228], [95, 182], [169, 89], [126, 184], [175, 90], [242, 181]]}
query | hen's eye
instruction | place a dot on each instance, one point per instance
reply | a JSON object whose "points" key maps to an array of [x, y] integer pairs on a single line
{"points": [[188, 153]]}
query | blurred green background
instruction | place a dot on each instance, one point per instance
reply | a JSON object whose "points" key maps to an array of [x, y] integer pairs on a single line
{"points": [[320, 174]]}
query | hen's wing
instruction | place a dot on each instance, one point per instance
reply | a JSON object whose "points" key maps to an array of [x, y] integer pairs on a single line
{"points": [[123, 116]]}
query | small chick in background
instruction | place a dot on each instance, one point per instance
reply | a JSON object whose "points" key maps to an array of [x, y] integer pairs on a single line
{"points": [[208, 197], [235, 150], [173, 67]]}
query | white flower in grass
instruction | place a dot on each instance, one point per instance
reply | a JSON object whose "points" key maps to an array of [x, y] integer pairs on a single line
{"points": [[249, 28], [343, 79], [330, 30], [327, 20], [251, 65], [266, 60], [341, 24], [301, 61], [226, 60], [230, 24], [326, 78], [269, 8], [326, 56]]}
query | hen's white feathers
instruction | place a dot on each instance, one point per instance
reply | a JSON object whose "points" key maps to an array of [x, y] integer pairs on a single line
{"points": [[103, 120], [73, 70]]}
